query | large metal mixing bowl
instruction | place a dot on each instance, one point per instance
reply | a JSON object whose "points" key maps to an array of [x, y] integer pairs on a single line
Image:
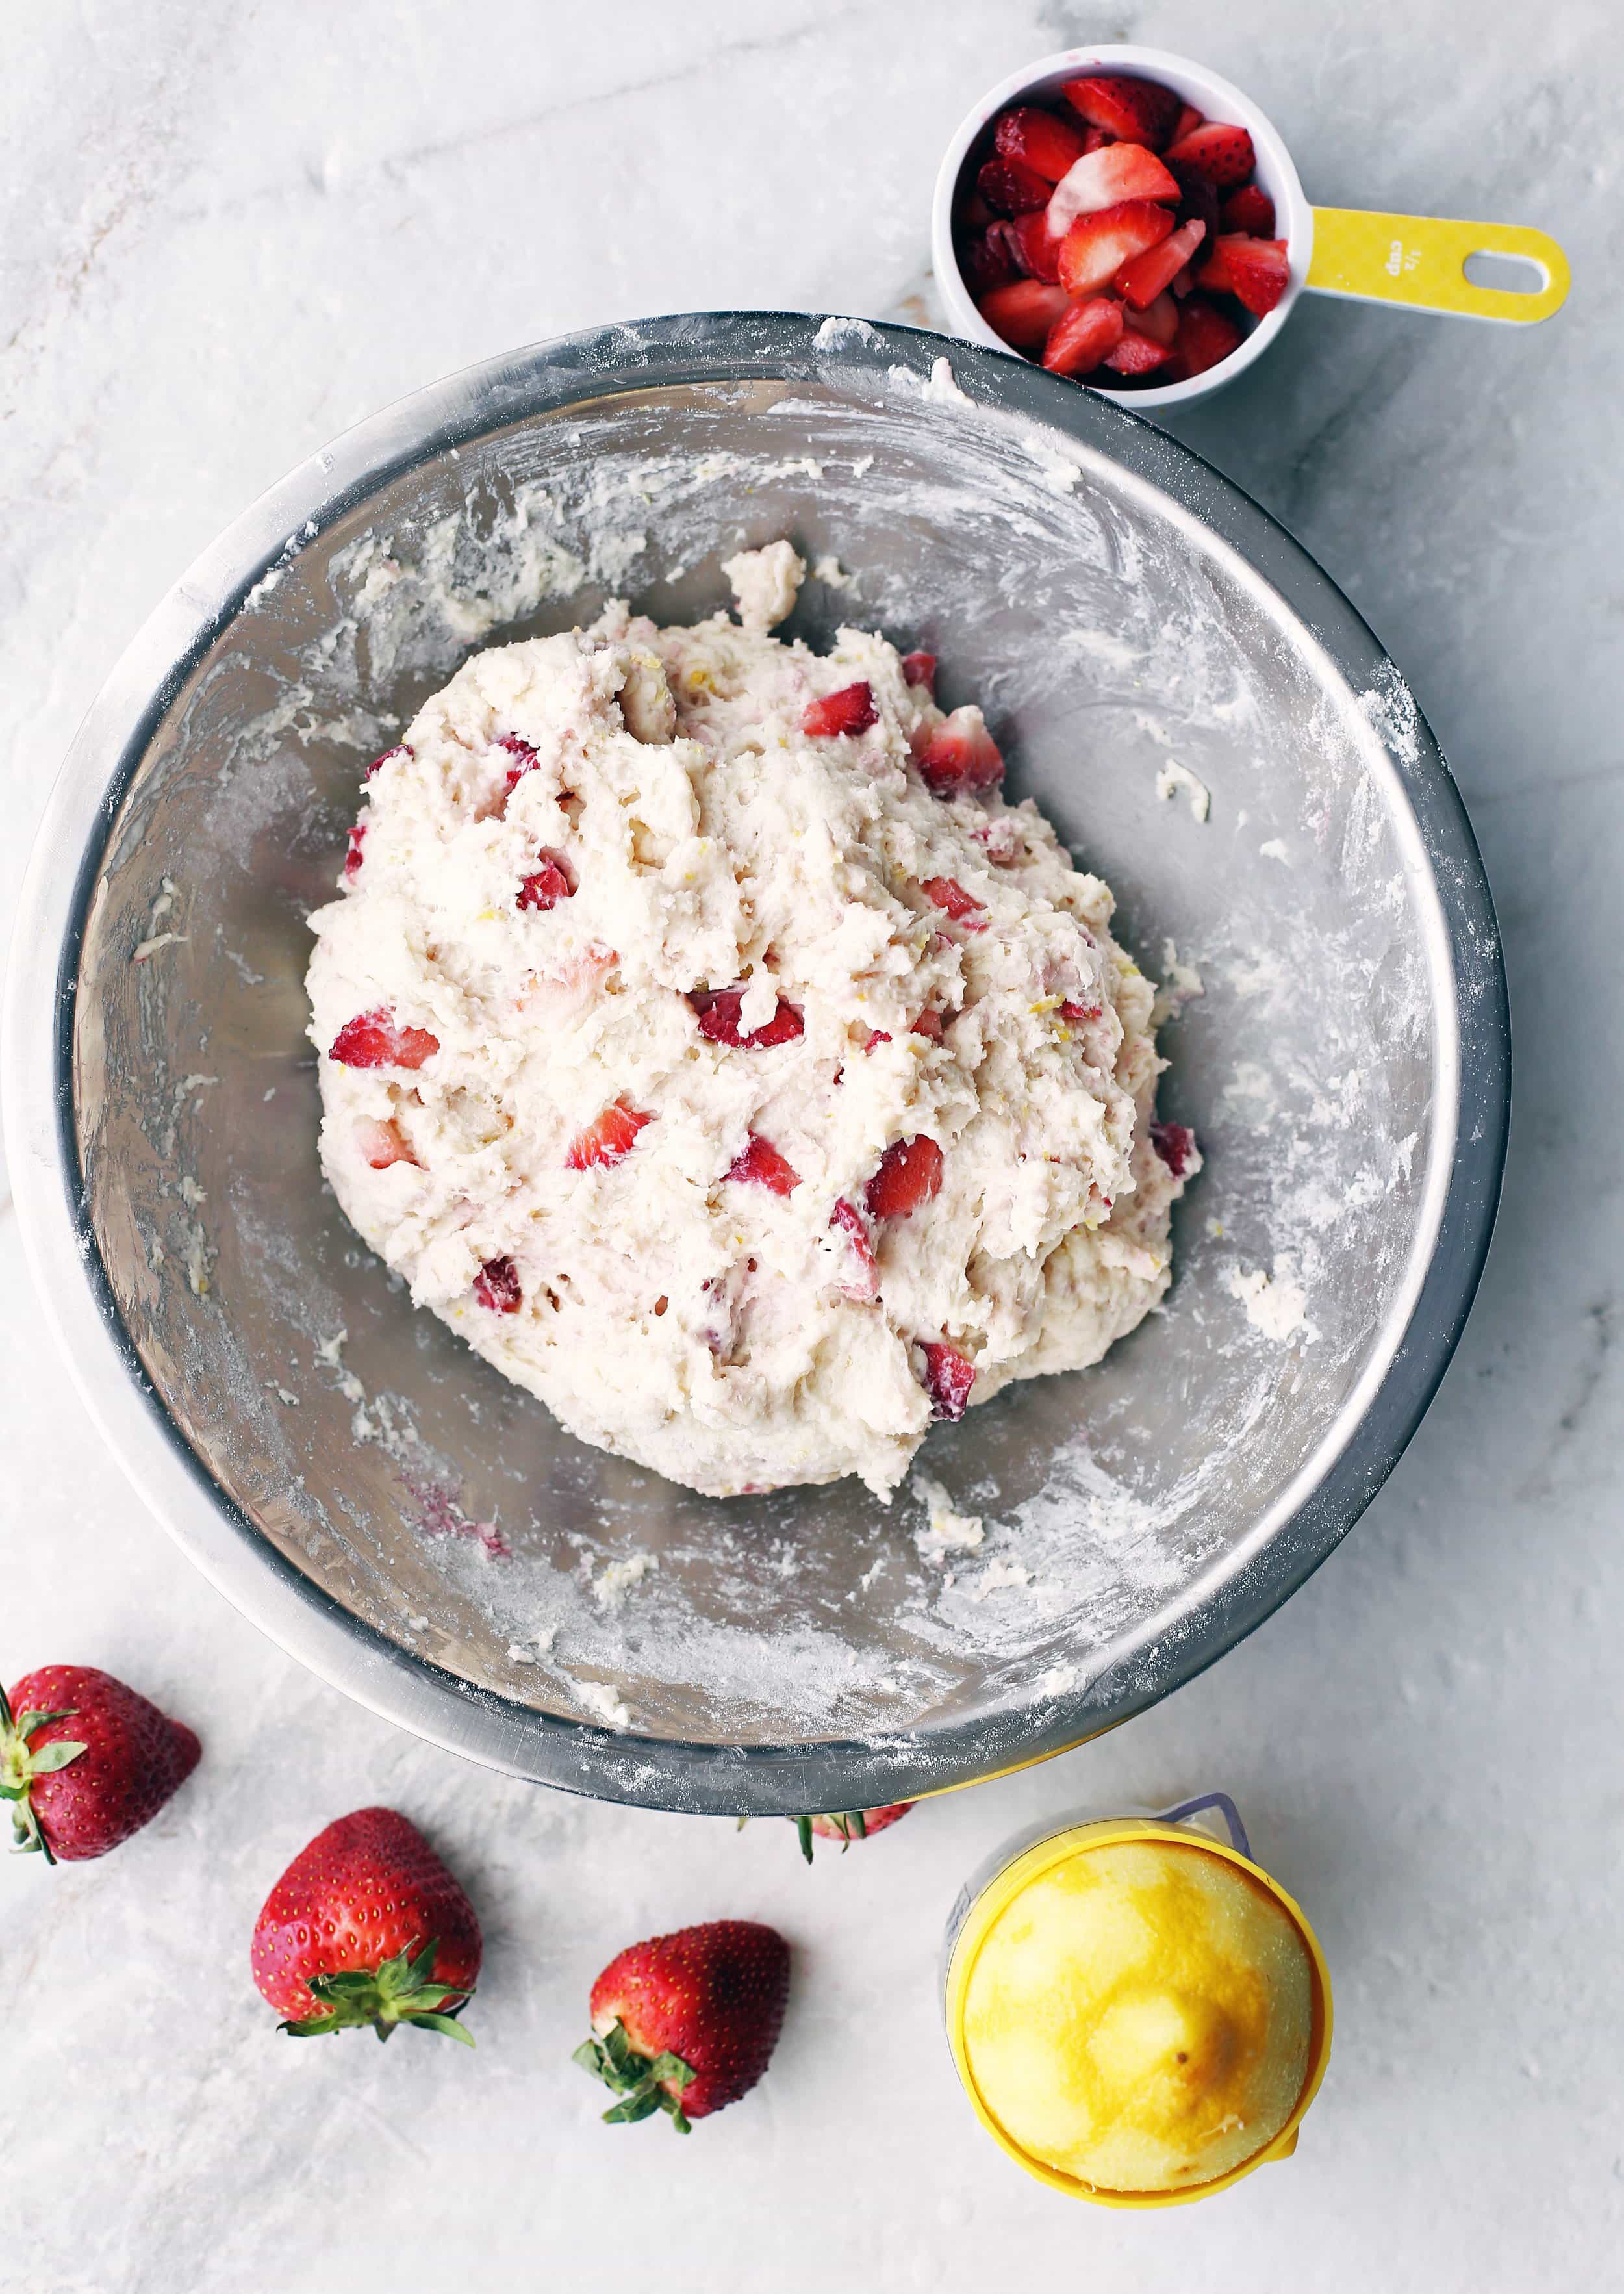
{"points": [[423, 1535]]}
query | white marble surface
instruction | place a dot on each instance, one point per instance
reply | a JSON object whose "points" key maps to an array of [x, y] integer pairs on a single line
{"points": [[227, 232]]}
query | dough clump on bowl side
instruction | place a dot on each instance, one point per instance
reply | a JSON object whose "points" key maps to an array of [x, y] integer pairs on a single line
{"points": [[711, 1046]]}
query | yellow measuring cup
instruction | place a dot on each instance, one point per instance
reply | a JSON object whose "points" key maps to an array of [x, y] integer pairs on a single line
{"points": [[1421, 260]]}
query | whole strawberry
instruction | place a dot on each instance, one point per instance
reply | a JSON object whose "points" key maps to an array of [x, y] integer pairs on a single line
{"points": [[685, 2023], [367, 1925], [85, 1762], [856, 1824]]}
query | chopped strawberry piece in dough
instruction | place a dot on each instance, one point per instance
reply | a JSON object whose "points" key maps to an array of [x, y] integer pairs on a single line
{"points": [[946, 893], [948, 1378], [928, 1023], [1022, 312], [497, 1287], [920, 669], [961, 757], [1225, 155], [351, 859], [848, 1220], [762, 1166], [1175, 1144], [549, 884], [1133, 110], [851, 709], [382, 1144], [1039, 140], [1085, 337], [910, 1172], [376, 1040], [609, 1139], [718, 1010], [523, 759], [388, 757], [1097, 246]]}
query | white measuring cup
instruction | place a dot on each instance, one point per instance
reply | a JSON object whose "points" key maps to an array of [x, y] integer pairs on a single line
{"points": [[1415, 261]]}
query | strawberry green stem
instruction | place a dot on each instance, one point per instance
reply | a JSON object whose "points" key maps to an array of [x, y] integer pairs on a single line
{"points": [[400, 1990], [22, 1766], [643, 2082]]}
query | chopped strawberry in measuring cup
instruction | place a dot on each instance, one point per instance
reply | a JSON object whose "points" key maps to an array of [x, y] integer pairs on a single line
{"points": [[949, 1376], [1011, 189], [1033, 245], [1133, 110], [910, 1172], [1097, 246], [608, 1139], [496, 1286], [718, 1010], [1022, 312], [1137, 354], [946, 893], [1198, 198], [1249, 209], [1206, 335], [1135, 219], [761, 1164], [1225, 155], [376, 1040], [1084, 336], [1151, 273], [987, 260], [1159, 319], [1105, 179], [960, 757], [1255, 270], [1039, 140], [851, 709]]}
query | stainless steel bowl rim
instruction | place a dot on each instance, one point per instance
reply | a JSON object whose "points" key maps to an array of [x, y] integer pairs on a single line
{"points": [[1213, 1613]]}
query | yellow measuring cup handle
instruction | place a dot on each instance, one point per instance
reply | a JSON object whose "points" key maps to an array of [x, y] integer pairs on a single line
{"points": [[1421, 260]]}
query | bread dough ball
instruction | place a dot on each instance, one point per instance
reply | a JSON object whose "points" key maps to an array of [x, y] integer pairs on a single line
{"points": [[708, 1042]]}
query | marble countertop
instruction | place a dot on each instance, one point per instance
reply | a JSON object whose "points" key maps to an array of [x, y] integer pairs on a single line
{"points": [[224, 235]]}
